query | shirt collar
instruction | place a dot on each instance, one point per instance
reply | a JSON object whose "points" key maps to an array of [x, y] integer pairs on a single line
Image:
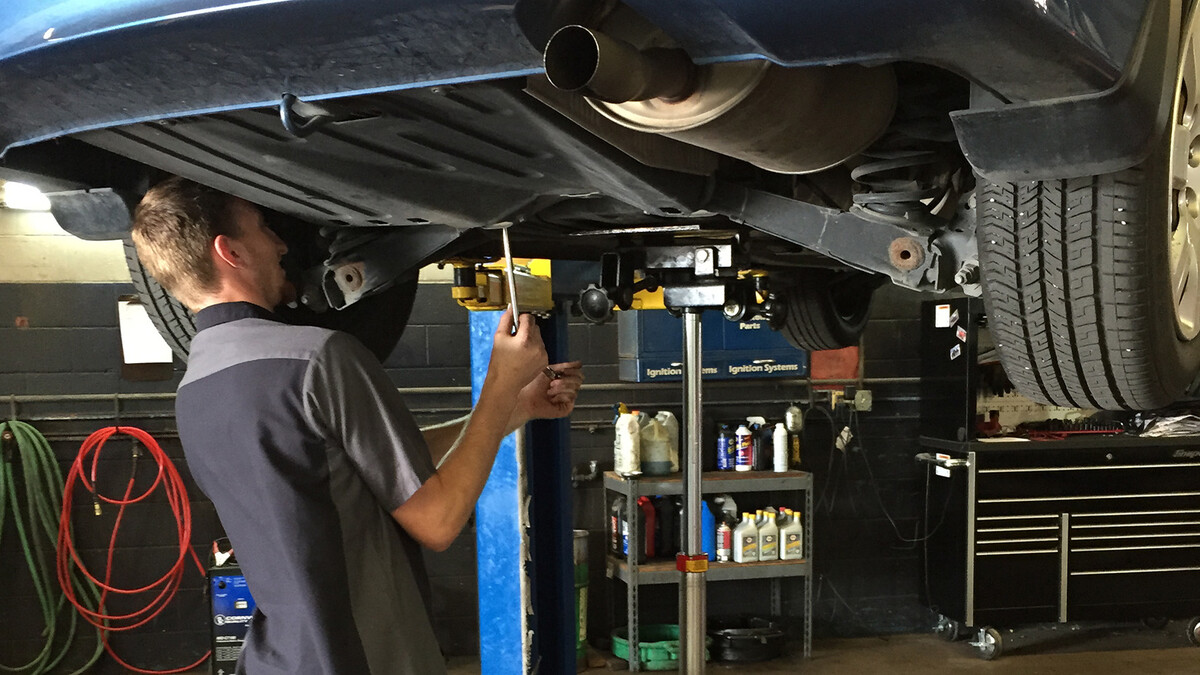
{"points": [[215, 315]]}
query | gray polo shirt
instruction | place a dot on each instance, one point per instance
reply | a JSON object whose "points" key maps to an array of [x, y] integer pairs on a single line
{"points": [[305, 447]]}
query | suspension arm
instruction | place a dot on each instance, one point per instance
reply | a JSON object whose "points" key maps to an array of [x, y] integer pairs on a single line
{"points": [[914, 255]]}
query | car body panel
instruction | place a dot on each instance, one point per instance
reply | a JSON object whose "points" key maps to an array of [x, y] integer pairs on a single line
{"points": [[76, 66]]}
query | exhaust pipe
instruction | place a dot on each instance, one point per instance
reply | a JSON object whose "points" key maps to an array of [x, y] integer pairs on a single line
{"points": [[786, 120], [581, 60]]}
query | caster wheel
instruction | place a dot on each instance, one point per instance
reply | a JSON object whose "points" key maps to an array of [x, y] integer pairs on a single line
{"points": [[948, 629], [1193, 631], [989, 644]]}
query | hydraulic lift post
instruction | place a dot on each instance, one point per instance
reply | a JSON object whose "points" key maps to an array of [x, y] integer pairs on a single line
{"points": [[693, 561]]}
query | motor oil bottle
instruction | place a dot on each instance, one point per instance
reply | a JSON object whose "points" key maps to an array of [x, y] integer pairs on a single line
{"points": [[791, 537], [708, 529], [763, 435], [625, 542], [666, 543], [648, 527], [724, 542], [782, 519], [745, 449], [726, 449], [745, 540], [668, 421], [779, 446], [768, 538], [626, 448], [616, 514]]}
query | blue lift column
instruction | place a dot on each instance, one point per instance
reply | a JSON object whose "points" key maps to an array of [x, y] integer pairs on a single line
{"points": [[526, 600]]}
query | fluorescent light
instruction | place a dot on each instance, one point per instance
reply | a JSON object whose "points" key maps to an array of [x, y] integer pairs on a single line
{"points": [[21, 197]]}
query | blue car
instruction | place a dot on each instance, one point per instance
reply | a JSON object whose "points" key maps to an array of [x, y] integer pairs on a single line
{"points": [[771, 159]]}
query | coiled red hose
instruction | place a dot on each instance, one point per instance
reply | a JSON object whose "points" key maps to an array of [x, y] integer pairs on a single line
{"points": [[166, 586]]}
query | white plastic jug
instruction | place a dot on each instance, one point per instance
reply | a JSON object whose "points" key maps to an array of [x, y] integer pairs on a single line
{"points": [[655, 443], [671, 424], [627, 453]]}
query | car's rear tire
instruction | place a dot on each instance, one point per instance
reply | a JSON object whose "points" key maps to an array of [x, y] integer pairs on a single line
{"points": [[377, 321], [826, 308], [1093, 284]]}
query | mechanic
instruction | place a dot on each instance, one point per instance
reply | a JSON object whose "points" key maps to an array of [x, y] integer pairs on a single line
{"points": [[322, 479]]}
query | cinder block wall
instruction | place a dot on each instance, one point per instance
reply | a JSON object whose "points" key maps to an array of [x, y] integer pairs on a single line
{"points": [[63, 339], [867, 575]]}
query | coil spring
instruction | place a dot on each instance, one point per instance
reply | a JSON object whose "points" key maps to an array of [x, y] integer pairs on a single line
{"points": [[911, 172]]}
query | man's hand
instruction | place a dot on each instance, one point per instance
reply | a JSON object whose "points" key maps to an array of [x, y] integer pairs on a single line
{"points": [[544, 398], [516, 359]]}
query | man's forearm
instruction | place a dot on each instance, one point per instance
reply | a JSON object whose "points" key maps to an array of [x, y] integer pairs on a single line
{"points": [[441, 438], [436, 513]]}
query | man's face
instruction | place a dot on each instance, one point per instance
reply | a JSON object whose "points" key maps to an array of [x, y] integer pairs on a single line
{"points": [[264, 250]]}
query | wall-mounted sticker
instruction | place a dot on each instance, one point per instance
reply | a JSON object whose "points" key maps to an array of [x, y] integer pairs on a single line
{"points": [[953, 318], [961, 333], [955, 352]]}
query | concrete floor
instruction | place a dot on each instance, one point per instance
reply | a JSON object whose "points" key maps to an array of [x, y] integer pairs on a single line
{"points": [[1113, 651]]}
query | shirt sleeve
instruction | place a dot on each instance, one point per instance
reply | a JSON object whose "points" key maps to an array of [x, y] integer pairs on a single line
{"points": [[352, 402]]}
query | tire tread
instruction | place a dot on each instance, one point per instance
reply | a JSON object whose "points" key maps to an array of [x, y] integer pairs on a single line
{"points": [[1068, 285]]}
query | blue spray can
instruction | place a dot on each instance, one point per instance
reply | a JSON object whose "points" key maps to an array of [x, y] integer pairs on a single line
{"points": [[725, 449]]}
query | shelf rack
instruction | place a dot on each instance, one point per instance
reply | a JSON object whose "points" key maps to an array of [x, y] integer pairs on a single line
{"points": [[635, 574]]}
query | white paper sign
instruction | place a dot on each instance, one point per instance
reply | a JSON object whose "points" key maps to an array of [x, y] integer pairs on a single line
{"points": [[941, 316], [941, 470], [140, 341]]}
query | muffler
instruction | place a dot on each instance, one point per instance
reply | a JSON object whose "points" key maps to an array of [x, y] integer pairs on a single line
{"points": [[786, 120]]}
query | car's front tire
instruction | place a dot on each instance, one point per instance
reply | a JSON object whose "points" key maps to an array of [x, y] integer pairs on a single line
{"points": [[377, 321]]}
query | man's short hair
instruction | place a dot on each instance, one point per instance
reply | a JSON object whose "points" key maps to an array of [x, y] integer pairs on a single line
{"points": [[173, 230]]}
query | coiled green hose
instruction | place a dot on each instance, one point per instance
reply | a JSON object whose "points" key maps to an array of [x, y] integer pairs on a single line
{"points": [[25, 453]]}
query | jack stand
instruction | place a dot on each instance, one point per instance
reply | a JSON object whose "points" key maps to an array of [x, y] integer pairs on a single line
{"points": [[693, 562]]}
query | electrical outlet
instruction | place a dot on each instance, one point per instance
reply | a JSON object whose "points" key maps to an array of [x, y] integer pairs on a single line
{"points": [[836, 398], [863, 400]]}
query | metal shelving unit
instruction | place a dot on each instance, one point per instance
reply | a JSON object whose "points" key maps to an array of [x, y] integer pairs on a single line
{"points": [[635, 574]]}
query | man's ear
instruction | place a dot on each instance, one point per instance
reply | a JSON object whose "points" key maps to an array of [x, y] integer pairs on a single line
{"points": [[227, 251]]}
